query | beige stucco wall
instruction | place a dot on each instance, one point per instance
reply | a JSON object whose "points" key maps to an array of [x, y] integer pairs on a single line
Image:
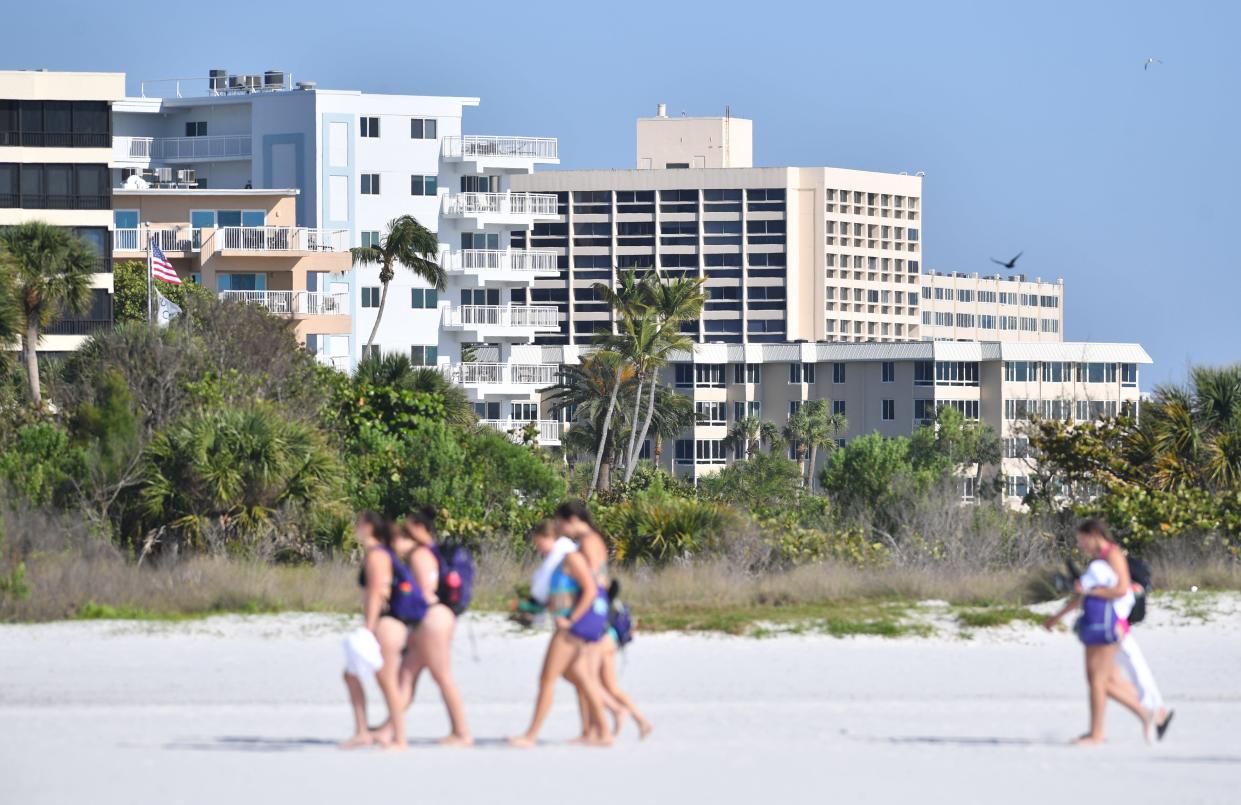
{"points": [[699, 142], [39, 85]]}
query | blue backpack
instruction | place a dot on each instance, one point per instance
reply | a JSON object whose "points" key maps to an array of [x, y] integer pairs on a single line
{"points": [[619, 616], [407, 602], [456, 587], [1097, 624]]}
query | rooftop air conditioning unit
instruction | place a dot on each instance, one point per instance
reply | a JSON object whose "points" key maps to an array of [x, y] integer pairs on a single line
{"points": [[254, 82], [217, 80], [236, 82], [163, 174], [187, 176], [273, 79]]}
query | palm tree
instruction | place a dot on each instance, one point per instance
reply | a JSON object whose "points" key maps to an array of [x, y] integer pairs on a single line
{"points": [[823, 428], [743, 438], [408, 243], [1192, 434], [627, 301], [394, 369], [51, 276], [798, 431], [769, 433], [10, 316], [591, 389], [671, 302]]}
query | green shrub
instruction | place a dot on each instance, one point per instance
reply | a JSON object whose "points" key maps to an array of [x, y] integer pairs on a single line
{"points": [[40, 465], [656, 527]]}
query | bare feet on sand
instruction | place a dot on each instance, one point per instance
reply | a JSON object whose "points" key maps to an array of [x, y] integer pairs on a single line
{"points": [[644, 729], [522, 742], [457, 740], [359, 740], [1088, 740]]}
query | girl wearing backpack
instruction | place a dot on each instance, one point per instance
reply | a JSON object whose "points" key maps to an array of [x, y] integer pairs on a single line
{"points": [[580, 608], [387, 589], [430, 639], [1105, 597], [573, 520]]}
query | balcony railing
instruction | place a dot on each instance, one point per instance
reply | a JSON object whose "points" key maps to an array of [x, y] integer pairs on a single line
{"points": [[547, 318], [78, 327], [549, 430], [501, 204], [169, 239], [282, 239], [215, 146], [498, 260], [293, 303], [525, 374], [545, 148]]}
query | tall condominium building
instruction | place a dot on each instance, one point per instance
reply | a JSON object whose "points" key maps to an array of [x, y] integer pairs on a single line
{"points": [[969, 307], [55, 146], [815, 254], [358, 160]]}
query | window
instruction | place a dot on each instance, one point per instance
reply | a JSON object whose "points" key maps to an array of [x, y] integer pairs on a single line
{"points": [[685, 451], [1129, 375], [1018, 447], [965, 319], [684, 375], [801, 372], [423, 298], [1019, 371], [838, 407], [1016, 486], [370, 350], [889, 410], [956, 373], [370, 296], [369, 126], [710, 413], [986, 322], [924, 373], [370, 237], [525, 411], [422, 128], [370, 184], [794, 407], [195, 128], [422, 185], [967, 408], [1050, 325], [54, 186], [747, 373], [752, 408], [709, 375], [710, 451], [965, 295], [889, 371], [924, 411], [676, 165], [838, 372], [420, 355]]}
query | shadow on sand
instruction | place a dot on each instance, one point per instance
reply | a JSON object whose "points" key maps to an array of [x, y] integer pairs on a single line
{"points": [[956, 740], [258, 743]]}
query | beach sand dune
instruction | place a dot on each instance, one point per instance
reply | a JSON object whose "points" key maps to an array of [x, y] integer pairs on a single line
{"points": [[248, 709]]}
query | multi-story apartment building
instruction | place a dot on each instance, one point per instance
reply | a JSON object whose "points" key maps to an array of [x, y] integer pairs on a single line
{"points": [[816, 254], [357, 159], [969, 307], [893, 389], [245, 244], [55, 145]]}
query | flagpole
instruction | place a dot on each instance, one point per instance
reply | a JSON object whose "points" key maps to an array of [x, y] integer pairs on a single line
{"points": [[150, 272]]}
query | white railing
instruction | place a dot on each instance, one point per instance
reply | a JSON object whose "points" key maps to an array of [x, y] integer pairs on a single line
{"points": [[484, 146], [502, 316], [498, 260], [282, 239], [214, 146], [293, 303], [169, 239], [500, 204], [338, 362], [549, 429], [526, 374]]}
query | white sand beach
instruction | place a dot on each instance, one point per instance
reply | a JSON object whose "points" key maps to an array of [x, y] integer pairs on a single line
{"points": [[248, 710]]}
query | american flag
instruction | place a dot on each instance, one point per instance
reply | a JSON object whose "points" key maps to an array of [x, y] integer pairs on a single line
{"points": [[161, 268]]}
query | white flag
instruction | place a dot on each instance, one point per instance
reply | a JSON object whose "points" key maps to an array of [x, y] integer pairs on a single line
{"points": [[166, 310]]}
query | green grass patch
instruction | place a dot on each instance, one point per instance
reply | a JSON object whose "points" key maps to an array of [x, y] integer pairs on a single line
{"points": [[883, 618], [993, 616]]}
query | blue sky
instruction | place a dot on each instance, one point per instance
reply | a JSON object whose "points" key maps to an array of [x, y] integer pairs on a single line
{"points": [[1035, 123]]}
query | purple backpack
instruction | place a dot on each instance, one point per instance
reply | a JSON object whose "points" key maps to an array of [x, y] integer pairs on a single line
{"points": [[1097, 624], [456, 586]]}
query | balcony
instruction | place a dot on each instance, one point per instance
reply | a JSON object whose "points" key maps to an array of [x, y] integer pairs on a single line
{"points": [[501, 208], [293, 303], [78, 327], [501, 376], [496, 319], [170, 239], [282, 239], [520, 266], [549, 430], [501, 151], [146, 150]]}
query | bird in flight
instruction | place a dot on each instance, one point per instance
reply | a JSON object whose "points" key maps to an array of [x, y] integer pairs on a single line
{"points": [[1011, 264], [1150, 61]]}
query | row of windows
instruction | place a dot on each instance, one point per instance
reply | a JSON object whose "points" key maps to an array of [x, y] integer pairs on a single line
{"points": [[872, 296], [420, 128], [869, 199], [418, 185], [1081, 410], [989, 297], [859, 262], [55, 124], [70, 186], [1068, 372]]}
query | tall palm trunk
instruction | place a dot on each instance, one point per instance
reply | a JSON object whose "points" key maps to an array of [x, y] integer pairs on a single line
{"points": [[603, 433], [650, 415], [383, 300], [30, 346], [631, 456], [814, 449]]}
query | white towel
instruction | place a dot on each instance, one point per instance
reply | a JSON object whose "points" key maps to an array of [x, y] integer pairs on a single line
{"points": [[541, 582], [362, 654], [1133, 663]]}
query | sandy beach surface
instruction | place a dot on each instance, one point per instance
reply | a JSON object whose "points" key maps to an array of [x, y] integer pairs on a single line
{"points": [[248, 710]]}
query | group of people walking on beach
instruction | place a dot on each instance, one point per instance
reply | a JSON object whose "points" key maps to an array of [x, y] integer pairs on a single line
{"points": [[411, 608], [413, 594]]}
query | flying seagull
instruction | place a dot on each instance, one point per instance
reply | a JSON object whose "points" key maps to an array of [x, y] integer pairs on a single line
{"points": [[1010, 264], [1150, 61]]}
